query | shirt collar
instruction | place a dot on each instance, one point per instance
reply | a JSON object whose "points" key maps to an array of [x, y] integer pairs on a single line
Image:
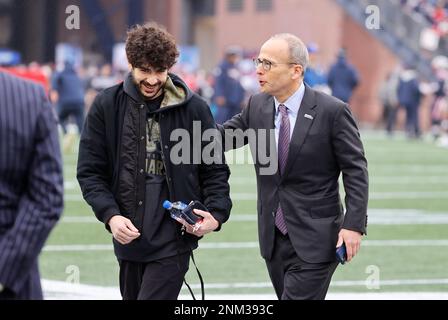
{"points": [[293, 102]]}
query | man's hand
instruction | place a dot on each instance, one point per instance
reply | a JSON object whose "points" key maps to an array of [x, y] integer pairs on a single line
{"points": [[220, 101], [207, 225], [54, 96], [352, 240], [123, 230]]}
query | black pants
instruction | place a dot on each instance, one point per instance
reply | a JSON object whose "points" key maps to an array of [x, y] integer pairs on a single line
{"points": [[391, 118], [295, 279], [412, 122], [156, 280], [75, 110]]}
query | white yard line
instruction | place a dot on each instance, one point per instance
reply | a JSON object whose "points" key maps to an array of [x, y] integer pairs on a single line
{"points": [[383, 180], [376, 217], [409, 169], [379, 217], [389, 296], [420, 180], [409, 195], [249, 245], [73, 198], [58, 290], [372, 196], [79, 219], [361, 283], [78, 248], [71, 185]]}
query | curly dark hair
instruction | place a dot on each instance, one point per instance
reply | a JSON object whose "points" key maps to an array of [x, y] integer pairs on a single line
{"points": [[151, 45]]}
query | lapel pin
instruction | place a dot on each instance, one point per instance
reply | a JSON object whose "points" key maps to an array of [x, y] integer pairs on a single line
{"points": [[308, 116]]}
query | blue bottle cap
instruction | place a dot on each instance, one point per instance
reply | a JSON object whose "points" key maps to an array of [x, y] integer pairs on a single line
{"points": [[167, 204]]}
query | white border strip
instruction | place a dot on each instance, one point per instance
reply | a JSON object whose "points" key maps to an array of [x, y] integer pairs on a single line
{"points": [[58, 290]]}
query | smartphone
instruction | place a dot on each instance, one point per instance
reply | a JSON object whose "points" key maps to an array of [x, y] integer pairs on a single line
{"points": [[188, 214], [341, 254]]}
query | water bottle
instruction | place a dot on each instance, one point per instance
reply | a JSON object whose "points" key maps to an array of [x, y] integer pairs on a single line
{"points": [[175, 208], [179, 209]]}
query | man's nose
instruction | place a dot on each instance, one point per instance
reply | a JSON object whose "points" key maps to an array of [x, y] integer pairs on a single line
{"points": [[151, 80], [259, 70]]}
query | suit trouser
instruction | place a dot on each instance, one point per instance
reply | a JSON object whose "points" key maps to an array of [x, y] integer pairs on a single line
{"points": [[156, 280], [295, 279], [31, 288]]}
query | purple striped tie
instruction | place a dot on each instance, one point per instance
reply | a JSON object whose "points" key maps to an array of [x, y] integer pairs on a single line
{"points": [[283, 149]]}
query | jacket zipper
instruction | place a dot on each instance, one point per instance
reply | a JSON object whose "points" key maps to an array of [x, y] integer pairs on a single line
{"points": [[137, 177], [163, 157]]}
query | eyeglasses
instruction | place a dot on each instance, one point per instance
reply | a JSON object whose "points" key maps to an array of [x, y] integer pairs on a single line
{"points": [[266, 64]]}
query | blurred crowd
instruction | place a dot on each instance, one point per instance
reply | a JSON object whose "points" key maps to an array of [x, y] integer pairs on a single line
{"points": [[403, 89], [228, 87], [435, 12]]}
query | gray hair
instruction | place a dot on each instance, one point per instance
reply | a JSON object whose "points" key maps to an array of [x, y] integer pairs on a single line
{"points": [[298, 51]]}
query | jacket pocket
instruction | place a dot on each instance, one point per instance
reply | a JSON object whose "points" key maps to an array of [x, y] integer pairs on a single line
{"points": [[326, 211]]}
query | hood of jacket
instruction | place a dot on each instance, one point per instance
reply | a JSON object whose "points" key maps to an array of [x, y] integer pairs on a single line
{"points": [[408, 75], [176, 92]]}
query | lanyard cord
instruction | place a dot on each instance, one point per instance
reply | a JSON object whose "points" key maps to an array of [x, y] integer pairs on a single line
{"points": [[200, 279]]}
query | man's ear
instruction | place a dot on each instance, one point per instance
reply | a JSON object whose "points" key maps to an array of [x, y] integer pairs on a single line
{"points": [[297, 72], [130, 67]]}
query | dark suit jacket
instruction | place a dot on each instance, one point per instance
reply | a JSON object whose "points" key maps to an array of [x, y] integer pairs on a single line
{"points": [[31, 188], [325, 142]]}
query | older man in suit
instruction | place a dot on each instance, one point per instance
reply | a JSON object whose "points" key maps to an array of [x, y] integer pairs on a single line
{"points": [[301, 220], [31, 186]]}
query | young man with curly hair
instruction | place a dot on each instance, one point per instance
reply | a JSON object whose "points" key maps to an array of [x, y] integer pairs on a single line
{"points": [[126, 168]]}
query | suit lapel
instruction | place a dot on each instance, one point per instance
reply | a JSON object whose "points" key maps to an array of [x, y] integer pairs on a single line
{"points": [[267, 116], [302, 126]]}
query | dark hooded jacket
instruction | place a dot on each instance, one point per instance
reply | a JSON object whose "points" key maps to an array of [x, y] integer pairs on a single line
{"points": [[112, 157], [343, 79]]}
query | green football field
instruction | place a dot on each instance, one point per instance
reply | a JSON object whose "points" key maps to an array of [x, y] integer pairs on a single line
{"points": [[405, 249]]}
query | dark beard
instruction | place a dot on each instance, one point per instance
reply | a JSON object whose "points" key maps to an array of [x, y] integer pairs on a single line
{"points": [[154, 96], [139, 84]]}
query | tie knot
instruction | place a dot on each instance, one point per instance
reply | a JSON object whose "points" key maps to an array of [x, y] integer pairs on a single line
{"points": [[283, 110]]}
